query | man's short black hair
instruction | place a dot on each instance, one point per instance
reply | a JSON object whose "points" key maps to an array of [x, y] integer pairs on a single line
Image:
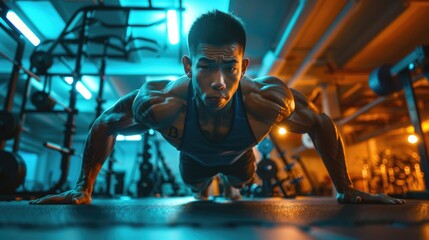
{"points": [[216, 28]]}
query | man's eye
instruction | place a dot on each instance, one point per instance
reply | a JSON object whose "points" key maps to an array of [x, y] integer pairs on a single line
{"points": [[231, 69], [203, 66]]}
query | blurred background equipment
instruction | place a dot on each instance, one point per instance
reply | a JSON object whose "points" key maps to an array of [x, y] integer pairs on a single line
{"points": [[391, 173], [362, 62], [268, 173], [145, 185], [55, 79], [389, 79]]}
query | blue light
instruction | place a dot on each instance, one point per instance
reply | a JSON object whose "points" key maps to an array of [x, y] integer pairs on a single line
{"points": [[83, 90], [292, 23], [68, 80], [151, 132], [90, 82], [411, 66], [30, 160], [125, 198], [80, 88], [43, 16], [173, 29], [128, 138], [20, 25]]}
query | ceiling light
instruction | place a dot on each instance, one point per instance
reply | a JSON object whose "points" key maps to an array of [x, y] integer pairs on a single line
{"points": [[173, 29], [128, 138], [68, 80], [80, 88], [83, 90], [20, 25], [42, 14]]}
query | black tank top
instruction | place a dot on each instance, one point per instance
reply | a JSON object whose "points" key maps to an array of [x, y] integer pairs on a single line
{"points": [[239, 139]]}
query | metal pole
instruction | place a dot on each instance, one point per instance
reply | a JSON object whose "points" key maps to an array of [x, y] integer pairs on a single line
{"points": [[14, 78], [102, 73], [8, 104], [70, 124], [22, 112], [415, 120]]}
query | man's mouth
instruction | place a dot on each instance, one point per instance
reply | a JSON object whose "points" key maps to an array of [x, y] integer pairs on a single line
{"points": [[214, 99]]}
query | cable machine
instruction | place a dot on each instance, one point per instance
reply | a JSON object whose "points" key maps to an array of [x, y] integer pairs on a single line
{"points": [[72, 43]]}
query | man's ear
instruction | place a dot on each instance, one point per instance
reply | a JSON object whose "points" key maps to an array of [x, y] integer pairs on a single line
{"points": [[244, 64], [187, 66]]}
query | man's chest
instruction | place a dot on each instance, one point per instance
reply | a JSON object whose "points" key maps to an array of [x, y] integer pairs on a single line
{"points": [[212, 130]]}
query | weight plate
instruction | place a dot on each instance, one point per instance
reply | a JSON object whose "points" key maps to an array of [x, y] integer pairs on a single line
{"points": [[42, 101], [42, 61], [9, 125], [12, 171], [266, 169]]}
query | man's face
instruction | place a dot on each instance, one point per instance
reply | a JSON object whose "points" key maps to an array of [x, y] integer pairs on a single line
{"points": [[216, 72]]}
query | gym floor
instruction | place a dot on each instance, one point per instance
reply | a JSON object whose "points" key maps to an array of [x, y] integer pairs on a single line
{"points": [[186, 218]]}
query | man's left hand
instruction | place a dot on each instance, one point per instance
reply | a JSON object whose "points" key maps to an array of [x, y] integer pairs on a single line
{"points": [[355, 196]]}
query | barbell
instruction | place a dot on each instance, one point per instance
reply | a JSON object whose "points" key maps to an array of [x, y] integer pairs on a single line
{"points": [[388, 79]]}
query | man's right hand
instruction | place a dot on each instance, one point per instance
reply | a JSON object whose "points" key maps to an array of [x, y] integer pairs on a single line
{"points": [[73, 196]]}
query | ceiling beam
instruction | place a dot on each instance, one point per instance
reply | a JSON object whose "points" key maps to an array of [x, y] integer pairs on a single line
{"points": [[340, 22]]}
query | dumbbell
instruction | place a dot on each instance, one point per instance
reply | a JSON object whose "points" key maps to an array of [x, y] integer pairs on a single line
{"points": [[255, 190]]}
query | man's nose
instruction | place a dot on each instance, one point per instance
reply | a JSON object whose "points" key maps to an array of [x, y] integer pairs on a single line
{"points": [[219, 82]]}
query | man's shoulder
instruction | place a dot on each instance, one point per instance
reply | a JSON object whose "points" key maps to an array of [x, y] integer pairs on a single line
{"points": [[263, 83], [177, 88], [270, 81]]}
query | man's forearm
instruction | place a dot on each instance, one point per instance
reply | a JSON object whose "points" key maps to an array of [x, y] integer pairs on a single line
{"points": [[98, 147], [329, 145]]}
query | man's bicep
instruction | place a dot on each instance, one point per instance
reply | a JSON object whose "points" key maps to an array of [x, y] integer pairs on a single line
{"points": [[263, 109], [142, 108], [149, 95], [281, 96], [156, 109]]}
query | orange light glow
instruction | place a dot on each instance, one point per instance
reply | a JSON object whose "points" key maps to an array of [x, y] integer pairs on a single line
{"points": [[413, 139], [282, 131]]}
